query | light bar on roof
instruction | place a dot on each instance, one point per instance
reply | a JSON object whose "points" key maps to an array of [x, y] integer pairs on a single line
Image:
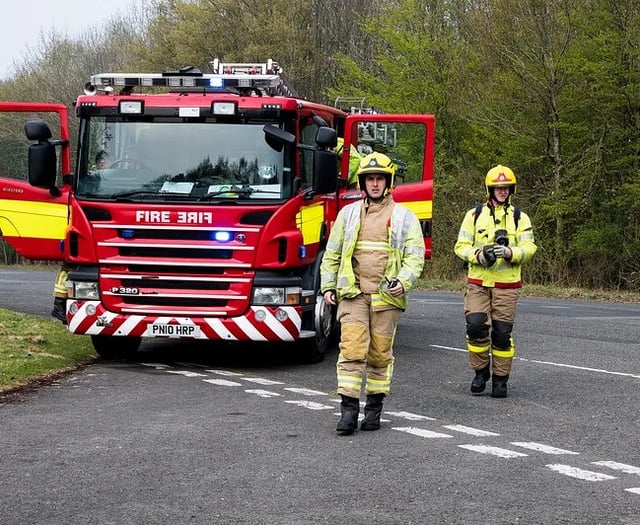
{"points": [[239, 79]]}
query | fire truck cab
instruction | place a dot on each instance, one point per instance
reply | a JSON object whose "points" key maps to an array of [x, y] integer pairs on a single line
{"points": [[200, 203]]}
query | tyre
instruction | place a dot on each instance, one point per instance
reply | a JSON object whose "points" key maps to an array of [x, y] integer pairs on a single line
{"points": [[315, 348], [109, 347]]}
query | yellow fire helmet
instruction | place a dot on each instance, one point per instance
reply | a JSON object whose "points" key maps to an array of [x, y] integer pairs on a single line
{"points": [[500, 176], [376, 163]]}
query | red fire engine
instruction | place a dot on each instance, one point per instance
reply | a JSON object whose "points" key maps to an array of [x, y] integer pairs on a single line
{"points": [[200, 204]]}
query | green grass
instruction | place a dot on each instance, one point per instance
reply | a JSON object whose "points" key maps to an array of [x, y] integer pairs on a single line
{"points": [[34, 349]]}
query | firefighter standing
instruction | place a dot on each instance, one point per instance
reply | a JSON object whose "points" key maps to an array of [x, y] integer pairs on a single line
{"points": [[495, 240], [354, 162], [60, 294], [374, 255]]}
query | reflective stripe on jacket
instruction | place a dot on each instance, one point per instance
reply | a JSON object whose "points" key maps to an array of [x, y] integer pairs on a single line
{"points": [[476, 233], [406, 253]]}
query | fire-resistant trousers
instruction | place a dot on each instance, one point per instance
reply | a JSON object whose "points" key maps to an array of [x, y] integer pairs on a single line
{"points": [[490, 314], [59, 287], [366, 346]]}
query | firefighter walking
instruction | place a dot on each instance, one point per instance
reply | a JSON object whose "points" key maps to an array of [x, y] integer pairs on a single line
{"points": [[374, 256], [495, 240]]}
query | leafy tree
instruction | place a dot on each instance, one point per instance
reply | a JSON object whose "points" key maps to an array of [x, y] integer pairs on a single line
{"points": [[192, 33], [416, 65]]}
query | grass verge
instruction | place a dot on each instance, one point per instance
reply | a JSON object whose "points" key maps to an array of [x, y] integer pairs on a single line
{"points": [[34, 349]]}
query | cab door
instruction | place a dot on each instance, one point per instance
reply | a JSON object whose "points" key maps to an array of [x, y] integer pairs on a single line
{"points": [[409, 140], [33, 220]]}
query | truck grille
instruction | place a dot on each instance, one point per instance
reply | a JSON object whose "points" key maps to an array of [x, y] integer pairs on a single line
{"points": [[160, 270]]}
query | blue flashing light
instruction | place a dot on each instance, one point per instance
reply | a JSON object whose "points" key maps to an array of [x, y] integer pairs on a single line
{"points": [[222, 236], [302, 251], [127, 234], [216, 82]]}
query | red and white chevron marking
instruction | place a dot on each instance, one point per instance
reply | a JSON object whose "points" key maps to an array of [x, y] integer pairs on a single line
{"points": [[248, 327]]}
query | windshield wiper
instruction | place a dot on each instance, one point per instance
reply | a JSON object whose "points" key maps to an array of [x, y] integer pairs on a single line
{"points": [[239, 190], [145, 193]]}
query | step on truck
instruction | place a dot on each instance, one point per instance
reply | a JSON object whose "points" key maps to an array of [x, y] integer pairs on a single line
{"points": [[200, 203]]}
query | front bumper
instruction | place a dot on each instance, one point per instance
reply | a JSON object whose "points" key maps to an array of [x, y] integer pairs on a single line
{"points": [[260, 323]]}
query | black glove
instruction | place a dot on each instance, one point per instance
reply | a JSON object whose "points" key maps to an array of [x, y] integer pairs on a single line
{"points": [[486, 257]]}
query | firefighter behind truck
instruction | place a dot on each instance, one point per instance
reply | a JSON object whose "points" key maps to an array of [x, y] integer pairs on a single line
{"points": [[207, 214]]}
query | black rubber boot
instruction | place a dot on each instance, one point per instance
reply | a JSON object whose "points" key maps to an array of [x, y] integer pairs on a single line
{"points": [[349, 408], [499, 386], [60, 309], [372, 412], [479, 382]]}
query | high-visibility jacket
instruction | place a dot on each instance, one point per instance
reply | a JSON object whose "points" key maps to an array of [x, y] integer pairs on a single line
{"points": [[354, 161], [405, 256], [476, 233], [354, 164]]}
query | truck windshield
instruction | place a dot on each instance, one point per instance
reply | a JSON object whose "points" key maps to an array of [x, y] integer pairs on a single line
{"points": [[196, 161]]}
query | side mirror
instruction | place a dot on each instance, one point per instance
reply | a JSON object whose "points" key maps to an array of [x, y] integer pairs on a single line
{"points": [[42, 156], [325, 171]]}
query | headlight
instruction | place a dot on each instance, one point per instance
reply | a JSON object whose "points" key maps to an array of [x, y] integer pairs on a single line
{"points": [[83, 290], [276, 296]]}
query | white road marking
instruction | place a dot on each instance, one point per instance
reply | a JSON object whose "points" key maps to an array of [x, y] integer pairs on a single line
{"points": [[306, 392], [421, 432], [361, 417], [311, 405], [470, 430], [157, 366], [585, 368], [450, 348], [627, 469], [578, 473], [410, 416], [555, 307], [542, 448], [224, 372], [484, 449], [551, 363], [221, 382], [433, 301], [494, 451], [608, 318], [263, 393], [186, 373], [262, 381]]}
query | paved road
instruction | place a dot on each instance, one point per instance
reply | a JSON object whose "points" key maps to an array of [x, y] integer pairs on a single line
{"points": [[204, 433]]}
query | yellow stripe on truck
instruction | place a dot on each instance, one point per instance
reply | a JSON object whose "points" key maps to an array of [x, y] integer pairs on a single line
{"points": [[421, 209], [309, 221], [32, 219]]}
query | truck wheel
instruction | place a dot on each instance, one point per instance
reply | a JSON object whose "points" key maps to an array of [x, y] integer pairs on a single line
{"points": [[109, 347], [315, 348]]}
